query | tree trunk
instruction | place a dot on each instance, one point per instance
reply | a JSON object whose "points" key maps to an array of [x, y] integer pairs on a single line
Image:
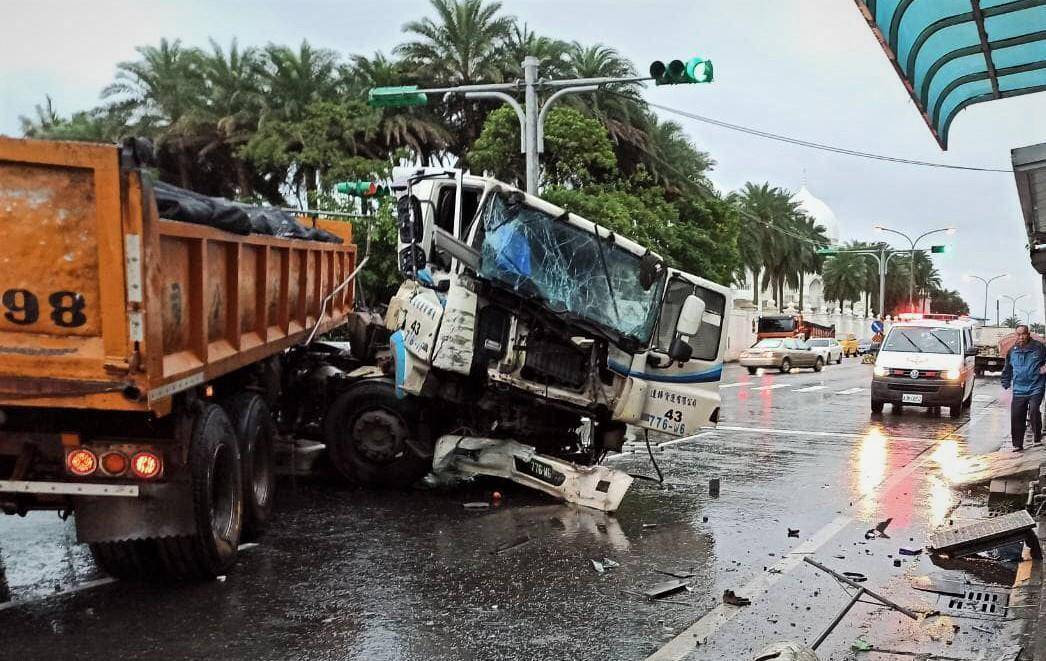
{"points": [[755, 288], [802, 277], [243, 179]]}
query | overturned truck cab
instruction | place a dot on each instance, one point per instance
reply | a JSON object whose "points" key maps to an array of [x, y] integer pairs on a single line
{"points": [[533, 337]]}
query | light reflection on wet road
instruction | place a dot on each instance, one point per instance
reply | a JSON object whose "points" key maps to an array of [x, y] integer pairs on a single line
{"points": [[356, 575]]}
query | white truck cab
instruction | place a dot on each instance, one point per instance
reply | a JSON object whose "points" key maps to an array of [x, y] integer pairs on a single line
{"points": [[926, 362]]}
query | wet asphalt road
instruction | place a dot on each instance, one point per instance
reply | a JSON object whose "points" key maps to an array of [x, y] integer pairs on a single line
{"points": [[360, 575]]}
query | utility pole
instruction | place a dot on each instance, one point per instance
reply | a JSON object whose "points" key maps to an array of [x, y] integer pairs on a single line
{"points": [[532, 113]]}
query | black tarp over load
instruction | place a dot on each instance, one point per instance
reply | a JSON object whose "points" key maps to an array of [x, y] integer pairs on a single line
{"points": [[176, 203]]}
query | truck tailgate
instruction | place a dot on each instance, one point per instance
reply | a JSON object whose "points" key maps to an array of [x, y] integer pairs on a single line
{"points": [[63, 311]]}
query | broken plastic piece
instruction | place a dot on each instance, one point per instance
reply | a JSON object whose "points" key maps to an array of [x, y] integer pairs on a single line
{"points": [[861, 645], [713, 487], [906, 551], [793, 532], [730, 598], [879, 530]]}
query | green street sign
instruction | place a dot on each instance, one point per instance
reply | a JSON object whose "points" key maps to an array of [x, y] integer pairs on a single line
{"points": [[677, 72], [938, 249], [396, 97], [827, 251]]}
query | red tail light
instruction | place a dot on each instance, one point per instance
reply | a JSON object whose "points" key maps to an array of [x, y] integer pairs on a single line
{"points": [[81, 462], [146, 465], [114, 463]]}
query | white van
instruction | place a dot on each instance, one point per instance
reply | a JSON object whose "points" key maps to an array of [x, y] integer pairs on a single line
{"points": [[925, 363]]}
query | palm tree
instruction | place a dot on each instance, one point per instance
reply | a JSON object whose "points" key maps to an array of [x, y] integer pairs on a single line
{"points": [[523, 42], [806, 258], [161, 89], [766, 215], [619, 107], [417, 129], [463, 45], [843, 278], [296, 79]]}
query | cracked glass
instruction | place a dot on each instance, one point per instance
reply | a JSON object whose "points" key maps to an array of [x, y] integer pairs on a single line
{"points": [[571, 270]]}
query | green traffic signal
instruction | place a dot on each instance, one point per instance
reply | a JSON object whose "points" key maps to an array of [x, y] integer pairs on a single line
{"points": [[938, 249], [361, 189], [676, 72], [396, 97]]}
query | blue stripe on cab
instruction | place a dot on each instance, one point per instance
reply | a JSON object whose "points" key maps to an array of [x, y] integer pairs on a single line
{"points": [[707, 376]]}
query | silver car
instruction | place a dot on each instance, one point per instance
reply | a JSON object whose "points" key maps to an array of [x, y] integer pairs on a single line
{"points": [[829, 348], [781, 353]]}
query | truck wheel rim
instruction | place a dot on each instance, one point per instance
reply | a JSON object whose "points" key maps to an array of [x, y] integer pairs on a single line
{"points": [[223, 495], [261, 468], [379, 436]]}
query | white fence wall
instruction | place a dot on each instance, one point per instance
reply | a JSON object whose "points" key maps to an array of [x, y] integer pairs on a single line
{"points": [[741, 328]]}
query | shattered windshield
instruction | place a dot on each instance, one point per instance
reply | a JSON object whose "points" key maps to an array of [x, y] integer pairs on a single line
{"points": [[572, 271]]}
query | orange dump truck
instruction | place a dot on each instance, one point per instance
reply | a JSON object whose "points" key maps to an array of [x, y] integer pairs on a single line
{"points": [[145, 363]]}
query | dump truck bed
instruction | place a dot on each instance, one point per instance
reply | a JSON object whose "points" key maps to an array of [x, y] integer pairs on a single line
{"points": [[104, 305]]}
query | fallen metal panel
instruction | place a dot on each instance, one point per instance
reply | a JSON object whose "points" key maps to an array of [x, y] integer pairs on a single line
{"points": [[69, 488], [984, 535]]}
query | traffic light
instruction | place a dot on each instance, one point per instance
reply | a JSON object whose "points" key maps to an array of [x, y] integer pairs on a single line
{"points": [[396, 97], [361, 189], [677, 72], [939, 249]]}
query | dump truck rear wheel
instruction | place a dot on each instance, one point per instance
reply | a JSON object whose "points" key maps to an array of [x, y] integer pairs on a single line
{"points": [[256, 432], [217, 501], [217, 493], [368, 431]]}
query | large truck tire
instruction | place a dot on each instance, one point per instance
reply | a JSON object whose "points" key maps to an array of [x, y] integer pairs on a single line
{"points": [[368, 432], [256, 431], [132, 560], [217, 503], [217, 494]]}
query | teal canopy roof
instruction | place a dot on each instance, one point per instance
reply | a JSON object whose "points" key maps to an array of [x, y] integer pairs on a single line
{"points": [[951, 54]]}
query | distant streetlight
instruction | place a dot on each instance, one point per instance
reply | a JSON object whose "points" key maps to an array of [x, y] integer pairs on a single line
{"points": [[913, 243], [986, 283], [1013, 300]]}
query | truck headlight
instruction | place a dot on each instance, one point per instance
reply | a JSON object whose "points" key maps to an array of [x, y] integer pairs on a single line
{"points": [[880, 370], [951, 375]]}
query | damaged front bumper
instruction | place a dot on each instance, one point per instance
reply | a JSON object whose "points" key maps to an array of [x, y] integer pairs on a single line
{"points": [[598, 487]]}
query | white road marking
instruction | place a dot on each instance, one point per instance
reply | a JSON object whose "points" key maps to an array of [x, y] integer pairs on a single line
{"points": [[731, 385], [698, 633], [809, 388], [850, 391], [686, 439], [773, 386]]}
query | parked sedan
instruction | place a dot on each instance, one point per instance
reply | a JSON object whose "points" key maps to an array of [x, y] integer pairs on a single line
{"points": [[829, 348], [782, 354], [864, 346]]}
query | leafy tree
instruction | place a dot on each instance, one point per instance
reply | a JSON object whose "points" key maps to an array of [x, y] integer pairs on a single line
{"points": [[577, 149], [843, 278], [1011, 322], [96, 125], [948, 301], [1037, 328]]}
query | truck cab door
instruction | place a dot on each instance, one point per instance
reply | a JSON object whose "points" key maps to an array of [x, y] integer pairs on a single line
{"points": [[683, 395]]}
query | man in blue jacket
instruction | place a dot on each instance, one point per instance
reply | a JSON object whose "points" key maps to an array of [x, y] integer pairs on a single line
{"points": [[1025, 372]]}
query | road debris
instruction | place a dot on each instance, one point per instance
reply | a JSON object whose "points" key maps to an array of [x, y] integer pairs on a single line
{"points": [[604, 565], [939, 585], [986, 535], [786, 651], [516, 543], [861, 645], [676, 573], [713, 487], [793, 532], [907, 551], [879, 530], [476, 506], [665, 588], [730, 598], [861, 591], [855, 576]]}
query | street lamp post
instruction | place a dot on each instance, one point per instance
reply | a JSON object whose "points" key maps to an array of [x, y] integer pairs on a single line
{"points": [[986, 283], [913, 243], [1013, 300]]}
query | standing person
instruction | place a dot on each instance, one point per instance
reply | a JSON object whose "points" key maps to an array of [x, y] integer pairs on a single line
{"points": [[1025, 371]]}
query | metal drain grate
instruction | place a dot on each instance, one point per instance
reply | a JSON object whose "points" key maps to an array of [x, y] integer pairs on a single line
{"points": [[980, 601]]}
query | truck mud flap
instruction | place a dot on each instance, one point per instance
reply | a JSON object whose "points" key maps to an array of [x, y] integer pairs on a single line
{"points": [[598, 487], [161, 510]]}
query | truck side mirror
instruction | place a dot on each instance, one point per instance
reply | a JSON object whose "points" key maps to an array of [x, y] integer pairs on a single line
{"points": [[687, 326], [689, 322]]}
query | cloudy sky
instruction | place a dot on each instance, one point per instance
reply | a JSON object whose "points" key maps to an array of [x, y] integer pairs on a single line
{"points": [[804, 68]]}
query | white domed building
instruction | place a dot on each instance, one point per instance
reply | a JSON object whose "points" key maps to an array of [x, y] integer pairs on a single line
{"points": [[813, 286]]}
